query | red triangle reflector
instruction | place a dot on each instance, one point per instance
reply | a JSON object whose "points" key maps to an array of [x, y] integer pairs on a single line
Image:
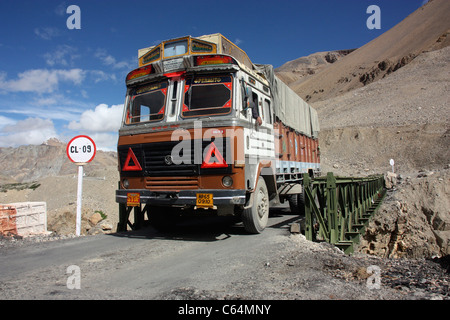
{"points": [[214, 151], [131, 157]]}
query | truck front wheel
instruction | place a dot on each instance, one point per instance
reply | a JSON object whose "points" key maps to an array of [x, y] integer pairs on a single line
{"points": [[255, 218]]}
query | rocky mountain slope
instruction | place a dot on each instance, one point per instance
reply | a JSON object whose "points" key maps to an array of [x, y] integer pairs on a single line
{"points": [[34, 162], [404, 117], [389, 100], [425, 29], [43, 172], [296, 71]]}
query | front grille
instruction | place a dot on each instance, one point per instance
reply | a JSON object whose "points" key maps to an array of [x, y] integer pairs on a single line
{"points": [[156, 166], [152, 158], [171, 183]]}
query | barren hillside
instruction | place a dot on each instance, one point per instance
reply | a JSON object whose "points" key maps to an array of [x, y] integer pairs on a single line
{"points": [[390, 100], [424, 30], [296, 71], [404, 116], [43, 172], [30, 163]]}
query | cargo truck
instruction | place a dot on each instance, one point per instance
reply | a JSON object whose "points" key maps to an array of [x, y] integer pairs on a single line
{"points": [[206, 131]]}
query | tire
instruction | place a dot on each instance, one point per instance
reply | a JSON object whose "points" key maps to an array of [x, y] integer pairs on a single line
{"points": [[255, 218], [297, 204]]}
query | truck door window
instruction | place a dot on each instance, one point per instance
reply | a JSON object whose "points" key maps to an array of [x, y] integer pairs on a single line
{"points": [[254, 104], [147, 103], [267, 112], [207, 95]]}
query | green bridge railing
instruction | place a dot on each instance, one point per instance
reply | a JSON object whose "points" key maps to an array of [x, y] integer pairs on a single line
{"points": [[337, 209]]}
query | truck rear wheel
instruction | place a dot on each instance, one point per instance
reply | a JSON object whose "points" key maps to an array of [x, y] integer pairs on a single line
{"points": [[255, 218], [297, 204]]}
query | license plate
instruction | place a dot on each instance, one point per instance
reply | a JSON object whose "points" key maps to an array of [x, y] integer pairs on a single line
{"points": [[133, 199], [205, 200]]}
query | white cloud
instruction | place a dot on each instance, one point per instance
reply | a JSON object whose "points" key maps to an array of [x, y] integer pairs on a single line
{"points": [[84, 94], [105, 141], [102, 119], [109, 60], [4, 121], [100, 75], [28, 131], [47, 33], [60, 10], [51, 112], [101, 124], [64, 55], [41, 80], [47, 101], [53, 106]]}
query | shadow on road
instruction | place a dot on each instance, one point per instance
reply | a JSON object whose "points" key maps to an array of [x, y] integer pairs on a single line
{"points": [[208, 229]]}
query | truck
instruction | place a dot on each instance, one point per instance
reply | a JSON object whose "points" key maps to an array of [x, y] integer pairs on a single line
{"points": [[207, 132]]}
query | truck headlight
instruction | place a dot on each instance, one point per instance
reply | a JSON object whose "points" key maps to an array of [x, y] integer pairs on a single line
{"points": [[227, 181]]}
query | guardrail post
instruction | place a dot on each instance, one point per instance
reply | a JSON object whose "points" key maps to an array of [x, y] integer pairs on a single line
{"points": [[344, 209], [312, 212], [332, 208], [309, 224]]}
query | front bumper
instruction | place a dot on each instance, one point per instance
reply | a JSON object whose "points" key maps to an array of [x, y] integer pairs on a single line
{"points": [[184, 197]]}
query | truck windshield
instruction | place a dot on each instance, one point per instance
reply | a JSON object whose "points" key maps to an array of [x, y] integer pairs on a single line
{"points": [[147, 103], [207, 95]]}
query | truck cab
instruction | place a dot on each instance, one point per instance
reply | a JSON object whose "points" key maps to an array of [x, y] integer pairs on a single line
{"points": [[198, 136]]}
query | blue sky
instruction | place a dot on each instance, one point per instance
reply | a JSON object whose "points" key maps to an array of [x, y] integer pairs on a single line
{"points": [[57, 82]]}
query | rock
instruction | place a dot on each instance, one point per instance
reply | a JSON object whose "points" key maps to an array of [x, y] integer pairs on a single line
{"points": [[106, 226], [443, 240], [95, 218], [94, 230], [295, 228], [361, 273], [390, 180], [421, 175]]}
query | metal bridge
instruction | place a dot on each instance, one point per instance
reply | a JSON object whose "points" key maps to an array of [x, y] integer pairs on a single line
{"points": [[338, 209]]}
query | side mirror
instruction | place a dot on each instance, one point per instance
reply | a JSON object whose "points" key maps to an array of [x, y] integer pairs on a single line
{"points": [[189, 95], [246, 96], [248, 92]]}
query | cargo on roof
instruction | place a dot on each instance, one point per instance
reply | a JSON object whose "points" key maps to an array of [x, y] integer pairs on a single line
{"points": [[289, 107], [207, 44]]}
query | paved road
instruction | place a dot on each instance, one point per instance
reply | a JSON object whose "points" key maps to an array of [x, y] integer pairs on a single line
{"points": [[211, 254]]}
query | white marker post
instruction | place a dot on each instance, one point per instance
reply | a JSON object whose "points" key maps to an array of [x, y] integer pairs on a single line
{"points": [[80, 150], [391, 162]]}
